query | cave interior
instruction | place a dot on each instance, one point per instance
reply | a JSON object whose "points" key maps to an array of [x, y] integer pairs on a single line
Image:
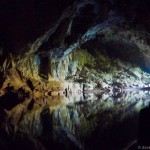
{"points": [[74, 74]]}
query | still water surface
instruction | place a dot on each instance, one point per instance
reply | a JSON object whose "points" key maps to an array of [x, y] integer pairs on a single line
{"points": [[78, 121]]}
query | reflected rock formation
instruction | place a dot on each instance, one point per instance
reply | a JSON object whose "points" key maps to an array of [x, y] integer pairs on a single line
{"points": [[93, 122]]}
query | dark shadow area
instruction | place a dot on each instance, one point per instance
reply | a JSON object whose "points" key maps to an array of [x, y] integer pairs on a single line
{"points": [[143, 136], [113, 136], [30, 84], [1, 79], [31, 105], [11, 99], [144, 127], [47, 129], [24, 21], [44, 67], [117, 49]]}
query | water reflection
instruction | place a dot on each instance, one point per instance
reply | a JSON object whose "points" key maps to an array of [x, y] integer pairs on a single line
{"points": [[93, 121], [104, 121]]}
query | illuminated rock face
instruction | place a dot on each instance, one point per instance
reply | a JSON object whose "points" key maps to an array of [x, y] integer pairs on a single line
{"points": [[51, 54]]}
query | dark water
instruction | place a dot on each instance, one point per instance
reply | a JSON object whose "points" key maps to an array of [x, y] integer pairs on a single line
{"points": [[114, 119], [78, 121]]}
